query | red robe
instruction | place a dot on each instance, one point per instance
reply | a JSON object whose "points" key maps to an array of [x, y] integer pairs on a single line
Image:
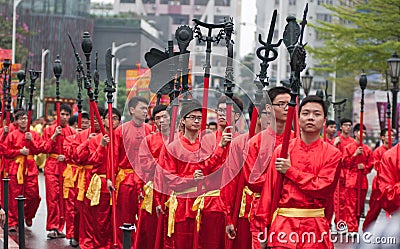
{"points": [[352, 182], [308, 184], [149, 152], [180, 159], [128, 138], [340, 194], [101, 212], [77, 153], [14, 142], [232, 173], [374, 204], [389, 180], [53, 168]]}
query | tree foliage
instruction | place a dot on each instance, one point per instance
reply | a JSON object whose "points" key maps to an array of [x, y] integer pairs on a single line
{"points": [[21, 33], [362, 35]]}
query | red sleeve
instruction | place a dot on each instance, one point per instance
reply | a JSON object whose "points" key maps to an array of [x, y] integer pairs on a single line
{"points": [[98, 153], [35, 143], [9, 152], [317, 185], [388, 181], [47, 143]]}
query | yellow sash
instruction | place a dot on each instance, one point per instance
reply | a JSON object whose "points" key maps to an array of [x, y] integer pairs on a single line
{"points": [[70, 179], [246, 191], [299, 212], [20, 160], [147, 203], [172, 204], [198, 204], [94, 190]]}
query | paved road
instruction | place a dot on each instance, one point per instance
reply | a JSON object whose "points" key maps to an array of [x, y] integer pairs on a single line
{"points": [[36, 236]]}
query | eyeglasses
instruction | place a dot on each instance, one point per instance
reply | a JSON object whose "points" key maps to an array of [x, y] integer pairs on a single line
{"points": [[282, 105], [265, 112], [23, 118], [194, 118], [115, 118]]}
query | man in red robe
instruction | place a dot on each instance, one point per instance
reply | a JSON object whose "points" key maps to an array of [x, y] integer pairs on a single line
{"points": [[23, 173], [310, 174], [330, 131], [240, 233], [186, 170], [261, 147], [151, 206], [374, 204], [54, 168], [388, 180], [128, 185], [78, 224], [97, 201], [358, 162], [341, 141]]}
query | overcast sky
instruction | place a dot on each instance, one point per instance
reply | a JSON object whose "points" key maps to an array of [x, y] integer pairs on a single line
{"points": [[247, 27]]}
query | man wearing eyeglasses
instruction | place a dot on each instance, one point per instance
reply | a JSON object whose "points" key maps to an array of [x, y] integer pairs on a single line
{"points": [[261, 147], [187, 167], [23, 173]]}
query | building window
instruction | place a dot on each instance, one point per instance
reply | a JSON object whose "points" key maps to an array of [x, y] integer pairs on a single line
{"points": [[292, 2], [200, 2], [185, 2], [222, 2], [276, 2], [149, 1], [179, 19], [127, 1], [199, 60], [324, 17], [220, 19]]}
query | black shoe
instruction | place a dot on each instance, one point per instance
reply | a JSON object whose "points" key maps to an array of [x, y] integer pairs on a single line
{"points": [[60, 234], [73, 243]]}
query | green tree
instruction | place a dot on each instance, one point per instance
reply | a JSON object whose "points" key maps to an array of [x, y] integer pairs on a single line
{"points": [[22, 32], [361, 36]]}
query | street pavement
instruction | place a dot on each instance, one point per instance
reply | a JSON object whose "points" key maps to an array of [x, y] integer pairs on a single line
{"points": [[36, 236]]}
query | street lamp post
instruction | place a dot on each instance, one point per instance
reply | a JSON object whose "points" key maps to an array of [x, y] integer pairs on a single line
{"points": [[118, 62], [115, 49], [41, 98], [16, 2], [394, 72], [306, 79]]}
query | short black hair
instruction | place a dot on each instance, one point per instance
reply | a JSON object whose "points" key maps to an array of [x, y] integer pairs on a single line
{"points": [[20, 113], [212, 123], [314, 99], [190, 106], [345, 120], [114, 111], [238, 103], [135, 100], [275, 91], [72, 120], [66, 108], [86, 115], [330, 122], [384, 130], [158, 108], [101, 110], [357, 127]]}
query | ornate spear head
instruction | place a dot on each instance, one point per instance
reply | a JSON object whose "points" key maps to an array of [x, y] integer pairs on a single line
{"points": [[6, 63], [21, 75]]}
